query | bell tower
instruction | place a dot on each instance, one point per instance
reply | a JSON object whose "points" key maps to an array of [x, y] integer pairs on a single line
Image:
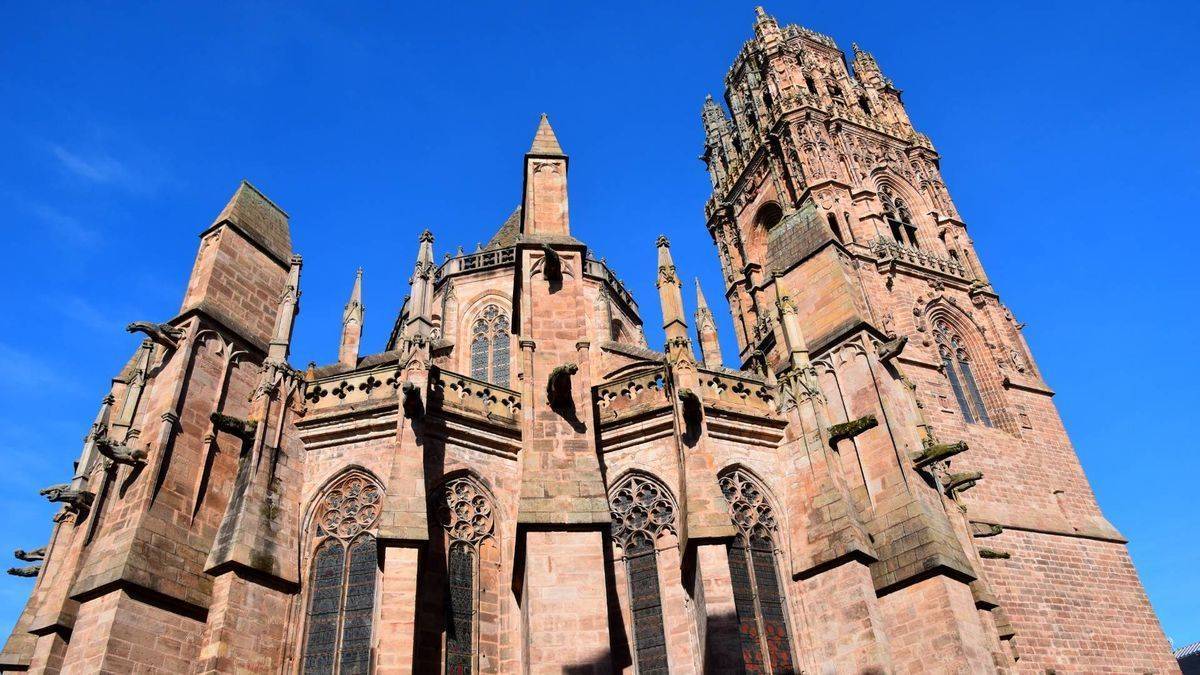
{"points": [[840, 244]]}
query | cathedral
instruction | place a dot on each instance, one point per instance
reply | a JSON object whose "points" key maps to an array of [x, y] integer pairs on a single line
{"points": [[519, 483]]}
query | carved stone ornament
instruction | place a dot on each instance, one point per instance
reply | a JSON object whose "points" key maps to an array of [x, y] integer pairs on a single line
{"points": [[350, 505], [748, 507], [641, 511], [465, 511]]}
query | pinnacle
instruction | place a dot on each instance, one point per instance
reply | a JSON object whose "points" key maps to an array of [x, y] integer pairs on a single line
{"points": [[701, 303], [544, 141]]}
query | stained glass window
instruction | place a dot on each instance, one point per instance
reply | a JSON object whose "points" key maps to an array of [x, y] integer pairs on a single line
{"points": [[957, 365], [754, 573], [490, 342], [342, 584], [642, 510], [465, 512]]}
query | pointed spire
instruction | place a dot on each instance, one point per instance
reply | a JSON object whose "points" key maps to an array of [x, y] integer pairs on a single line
{"points": [[544, 210], [670, 294], [285, 317], [701, 303], [352, 325], [544, 141], [765, 25], [706, 330], [420, 310]]}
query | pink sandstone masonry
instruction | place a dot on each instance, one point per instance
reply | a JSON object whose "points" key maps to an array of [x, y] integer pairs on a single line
{"points": [[519, 483]]}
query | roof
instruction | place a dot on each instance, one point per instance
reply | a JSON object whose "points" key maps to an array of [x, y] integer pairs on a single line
{"points": [[1192, 650], [260, 220], [508, 233], [544, 141]]}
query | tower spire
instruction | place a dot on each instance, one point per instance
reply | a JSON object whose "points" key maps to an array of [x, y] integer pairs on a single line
{"points": [[420, 309], [352, 325], [544, 210], [544, 140], [671, 296], [706, 330]]}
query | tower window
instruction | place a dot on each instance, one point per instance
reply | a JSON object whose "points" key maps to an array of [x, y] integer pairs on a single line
{"points": [[641, 511], [490, 342], [899, 219], [957, 365], [769, 216], [341, 604], [864, 105], [811, 84], [753, 569], [465, 512]]}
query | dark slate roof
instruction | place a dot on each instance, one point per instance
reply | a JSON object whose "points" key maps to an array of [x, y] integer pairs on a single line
{"points": [[1188, 651], [259, 219], [508, 233]]}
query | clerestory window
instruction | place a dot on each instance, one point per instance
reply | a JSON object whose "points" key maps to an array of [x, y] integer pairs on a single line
{"points": [[490, 342], [642, 510], [956, 363], [753, 569], [341, 605]]}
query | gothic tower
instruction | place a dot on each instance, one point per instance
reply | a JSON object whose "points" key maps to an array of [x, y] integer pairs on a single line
{"points": [[853, 282]]}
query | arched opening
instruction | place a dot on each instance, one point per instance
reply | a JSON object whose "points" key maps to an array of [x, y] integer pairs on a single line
{"points": [[344, 572], [956, 364], [899, 219], [490, 346], [833, 226], [768, 216], [642, 510], [754, 571]]}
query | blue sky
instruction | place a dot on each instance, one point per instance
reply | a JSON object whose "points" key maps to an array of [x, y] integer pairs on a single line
{"points": [[1068, 132]]}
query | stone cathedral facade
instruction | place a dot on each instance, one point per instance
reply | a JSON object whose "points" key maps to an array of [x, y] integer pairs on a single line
{"points": [[518, 483]]}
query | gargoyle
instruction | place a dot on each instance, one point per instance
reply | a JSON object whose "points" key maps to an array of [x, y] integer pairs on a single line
{"points": [[30, 556], [936, 452], [551, 265], [991, 554], [558, 386], [981, 530], [161, 333], [847, 430], [76, 499], [891, 349], [962, 481], [121, 454], [693, 410], [413, 407], [27, 571], [234, 425]]}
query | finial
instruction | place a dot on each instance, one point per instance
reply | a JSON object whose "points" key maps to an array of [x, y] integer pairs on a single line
{"points": [[760, 12], [426, 236], [663, 242]]}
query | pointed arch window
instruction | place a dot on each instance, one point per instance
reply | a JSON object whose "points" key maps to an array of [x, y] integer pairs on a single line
{"points": [[956, 363], [899, 219], [490, 341], [754, 572], [341, 606], [642, 510], [465, 513]]}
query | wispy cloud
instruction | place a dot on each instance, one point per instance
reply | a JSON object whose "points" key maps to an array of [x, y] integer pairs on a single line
{"points": [[67, 227], [138, 170], [96, 168]]}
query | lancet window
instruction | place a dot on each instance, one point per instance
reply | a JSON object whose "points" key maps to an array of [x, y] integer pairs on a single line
{"points": [[465, 512], [956, 363], [753, 568], [899, 219], [490, 342], [341, 605], [642, 510]]}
